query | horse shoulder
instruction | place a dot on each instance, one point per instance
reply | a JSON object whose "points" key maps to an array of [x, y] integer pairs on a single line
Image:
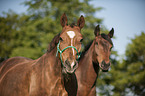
{"points": [[17, 75]]}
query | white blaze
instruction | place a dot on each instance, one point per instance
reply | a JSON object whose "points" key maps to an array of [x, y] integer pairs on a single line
{"points": [[72, 48], [73, 63], [71, 34]]}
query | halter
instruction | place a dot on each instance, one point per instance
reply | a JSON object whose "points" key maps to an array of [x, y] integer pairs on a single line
{"points": [[60, 51]]}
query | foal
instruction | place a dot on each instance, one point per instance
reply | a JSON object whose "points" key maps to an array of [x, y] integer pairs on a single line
{"points": [[44, 76], [94, 57]]}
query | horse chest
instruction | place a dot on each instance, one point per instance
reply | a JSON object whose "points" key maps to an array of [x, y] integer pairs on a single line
{"points": [[56, 88], [46, 85]]}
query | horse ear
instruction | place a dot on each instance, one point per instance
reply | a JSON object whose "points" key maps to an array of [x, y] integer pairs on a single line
{"points": [[63, 20], [111, 33], [97, 30], [81, 22]]}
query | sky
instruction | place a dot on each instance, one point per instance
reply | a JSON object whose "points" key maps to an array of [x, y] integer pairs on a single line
{"points": [[127, 17]]}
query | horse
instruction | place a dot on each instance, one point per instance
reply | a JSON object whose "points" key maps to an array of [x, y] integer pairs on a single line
{"points": [[95, 56], [20, 76]]}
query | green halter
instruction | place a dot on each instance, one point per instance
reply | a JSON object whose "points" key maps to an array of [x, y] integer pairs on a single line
{"points": [[60, 51]]}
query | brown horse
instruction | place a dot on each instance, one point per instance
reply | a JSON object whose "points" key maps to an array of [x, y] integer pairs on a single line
{"points": [[95, 56], [44, 76]]}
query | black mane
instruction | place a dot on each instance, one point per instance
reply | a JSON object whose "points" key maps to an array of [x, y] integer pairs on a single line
{"points": [[106, 37], [86, 49], [72, 25], [53, 42]]}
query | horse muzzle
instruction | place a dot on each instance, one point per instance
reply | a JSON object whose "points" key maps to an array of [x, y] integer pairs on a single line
{"points": [[104, 66], [70, 67]]}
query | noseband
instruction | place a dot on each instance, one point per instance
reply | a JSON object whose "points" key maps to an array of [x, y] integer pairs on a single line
{"points": [[61, 51]]}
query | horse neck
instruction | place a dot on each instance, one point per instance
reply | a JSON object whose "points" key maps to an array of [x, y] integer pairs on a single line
{"points": [[86, 73], [49, 73], [50, 63]]}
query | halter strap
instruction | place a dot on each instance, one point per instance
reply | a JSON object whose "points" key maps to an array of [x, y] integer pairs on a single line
{"points": [[61, 51]]}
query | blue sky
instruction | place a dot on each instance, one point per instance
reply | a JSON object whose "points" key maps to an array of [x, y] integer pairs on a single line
{"points": [[127, 17]]}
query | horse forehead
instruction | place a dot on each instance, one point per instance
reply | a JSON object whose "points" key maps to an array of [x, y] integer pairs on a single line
{"points": [[105, 45], [71, 34]]}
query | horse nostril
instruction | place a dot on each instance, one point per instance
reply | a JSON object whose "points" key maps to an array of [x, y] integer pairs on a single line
{"points": [[103, 64], [75, 65], [67, 63], [71, 65]]}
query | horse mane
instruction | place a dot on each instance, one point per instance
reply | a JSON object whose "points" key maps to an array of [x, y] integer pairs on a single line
{"points": [[72, 25], [86, 48], [106, 37], [53, 43]]}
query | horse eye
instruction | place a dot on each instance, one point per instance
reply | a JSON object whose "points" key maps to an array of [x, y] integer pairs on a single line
{"points": [[81, 40], [60, 39]]}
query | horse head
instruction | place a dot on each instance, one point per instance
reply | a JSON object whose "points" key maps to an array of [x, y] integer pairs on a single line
{"points": [[69, 45], [102, 48]]}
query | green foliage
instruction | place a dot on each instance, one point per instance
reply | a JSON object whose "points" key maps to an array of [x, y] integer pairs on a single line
{"points": [[135, 62], [29, 34], [8, 33]]}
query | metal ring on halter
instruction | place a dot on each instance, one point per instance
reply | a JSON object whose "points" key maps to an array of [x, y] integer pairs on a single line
{"points": [[60, 51]]}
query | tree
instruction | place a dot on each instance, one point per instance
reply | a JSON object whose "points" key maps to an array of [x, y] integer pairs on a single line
{"points": [[42, 23], [8, 34], [135, 62]]}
